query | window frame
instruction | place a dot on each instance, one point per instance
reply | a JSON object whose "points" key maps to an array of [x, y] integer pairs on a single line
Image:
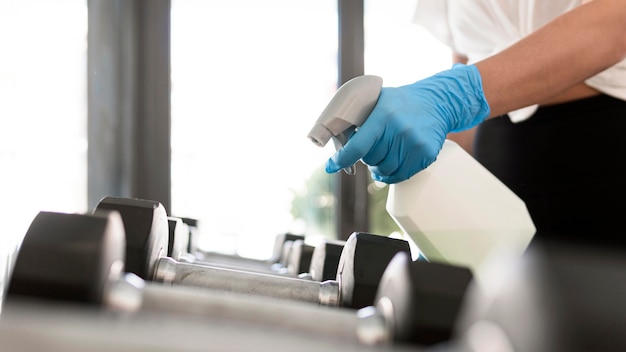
{"points": [[129, 117]]}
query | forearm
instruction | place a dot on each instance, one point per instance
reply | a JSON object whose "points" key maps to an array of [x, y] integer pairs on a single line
{"points": [[565, 52], [465, 139]]}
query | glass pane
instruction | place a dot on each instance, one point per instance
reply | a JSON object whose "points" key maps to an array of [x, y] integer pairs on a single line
{"points": [[249, 79], [396, 48], [43, 145], [400, 52]]}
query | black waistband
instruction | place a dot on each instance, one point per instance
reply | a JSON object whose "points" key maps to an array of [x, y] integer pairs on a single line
{"points": [[597, 100], [578, 111]]}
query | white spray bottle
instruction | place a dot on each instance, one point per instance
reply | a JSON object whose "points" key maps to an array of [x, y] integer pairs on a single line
{"points": [[455, 211]]}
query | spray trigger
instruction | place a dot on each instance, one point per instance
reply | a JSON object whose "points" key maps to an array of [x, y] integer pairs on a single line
{"points": [[346, 112]]}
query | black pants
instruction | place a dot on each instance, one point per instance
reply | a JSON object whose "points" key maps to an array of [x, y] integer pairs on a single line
{"points": [[567, 162]]}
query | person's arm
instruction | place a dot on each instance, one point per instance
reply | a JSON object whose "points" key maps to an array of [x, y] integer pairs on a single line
{"points": [[465, 139], [459, 58], [563, 53], [408, 125]]}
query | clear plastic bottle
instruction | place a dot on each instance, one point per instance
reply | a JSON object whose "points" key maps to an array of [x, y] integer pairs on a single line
{"points": [[455, 211]]}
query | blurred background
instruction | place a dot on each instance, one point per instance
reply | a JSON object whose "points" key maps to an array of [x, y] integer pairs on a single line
{"points": [[244, 82]]}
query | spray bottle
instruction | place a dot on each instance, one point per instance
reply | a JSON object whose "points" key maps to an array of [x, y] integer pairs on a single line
{"points": [[454, 211]]}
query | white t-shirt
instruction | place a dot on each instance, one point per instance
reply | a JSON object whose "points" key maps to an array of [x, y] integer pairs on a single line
{"points": [[481, 28]]}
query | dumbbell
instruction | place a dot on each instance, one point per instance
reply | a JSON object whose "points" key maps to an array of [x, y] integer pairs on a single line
{"points": [[325, 260], [192, 227], [298, 259], [559, 297], [363, 260], [291, 255], [79, 258], [287, 258], [290, 251], [195, 254], [277, 263], [178, 240]]}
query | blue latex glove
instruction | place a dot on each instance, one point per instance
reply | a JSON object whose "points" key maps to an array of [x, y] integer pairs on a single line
{"points": [[406, 129]]}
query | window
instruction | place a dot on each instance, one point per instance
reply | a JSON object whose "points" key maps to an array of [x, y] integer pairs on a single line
{"points": [[43, 143], [249, 79]]}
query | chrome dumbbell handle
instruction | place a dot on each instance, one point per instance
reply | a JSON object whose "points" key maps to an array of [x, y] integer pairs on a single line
{"points": [[175, 273], [131, 294]]}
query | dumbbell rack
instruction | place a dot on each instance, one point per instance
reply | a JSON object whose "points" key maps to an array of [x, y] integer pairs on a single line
{"points": [[59, 328], [27, 325]]}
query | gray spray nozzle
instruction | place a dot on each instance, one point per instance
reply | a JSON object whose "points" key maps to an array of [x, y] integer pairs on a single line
{"points": [[346, 112]]}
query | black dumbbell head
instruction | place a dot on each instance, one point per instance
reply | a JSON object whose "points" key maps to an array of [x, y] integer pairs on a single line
{"points": [[191, 222], [192, 227], [299, 260], [147, 232], [421, 299], [363, 261], [178, 238], [69, 257], [325, 260], [280, 253]]}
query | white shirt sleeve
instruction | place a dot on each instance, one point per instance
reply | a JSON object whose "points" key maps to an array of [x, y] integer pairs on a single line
{"points": [[433, 16], [481, 28]]}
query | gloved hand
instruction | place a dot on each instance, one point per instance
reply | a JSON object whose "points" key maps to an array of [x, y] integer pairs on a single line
{"points": [[406, 129]]}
